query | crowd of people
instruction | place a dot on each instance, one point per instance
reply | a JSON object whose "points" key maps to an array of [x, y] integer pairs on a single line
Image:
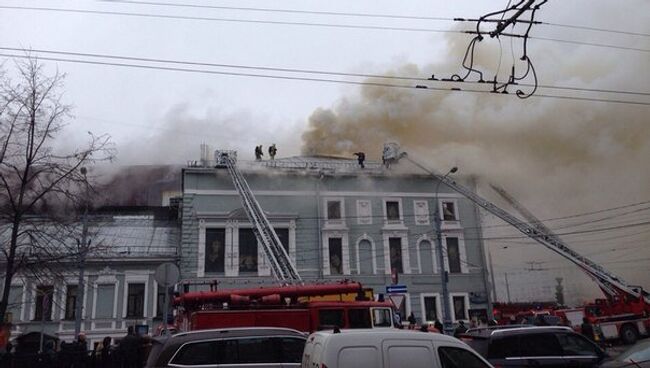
{"points": [[129, 351]]}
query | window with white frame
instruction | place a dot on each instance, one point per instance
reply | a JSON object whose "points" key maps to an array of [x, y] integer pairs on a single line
{"points": [[395, 251], [15, 306], [449, 210], [247, 251], [364, 212], [283, 236], [459, 306], [393, 211], [71, 295], [135, 300], [430, 307], [215, 245], [43, 302], [335, 248], [453, 254], [334, 209], [104, 301], [421, 209]]}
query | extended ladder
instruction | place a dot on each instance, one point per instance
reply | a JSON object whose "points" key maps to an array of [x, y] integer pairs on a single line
{"points": [[281, 265], [541, 234]]}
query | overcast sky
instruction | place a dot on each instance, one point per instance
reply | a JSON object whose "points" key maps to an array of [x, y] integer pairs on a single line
{"points": [[596, 153]]}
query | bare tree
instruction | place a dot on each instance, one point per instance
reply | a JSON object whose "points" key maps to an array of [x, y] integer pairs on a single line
{"points": [[40, 184]]}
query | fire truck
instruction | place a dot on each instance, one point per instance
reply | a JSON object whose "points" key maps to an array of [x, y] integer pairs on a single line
{"points": [[623, 313], [293, 304]]}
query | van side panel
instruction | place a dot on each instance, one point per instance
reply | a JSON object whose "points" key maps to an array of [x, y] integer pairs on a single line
{"points": [[358, 357], [408, 353]]}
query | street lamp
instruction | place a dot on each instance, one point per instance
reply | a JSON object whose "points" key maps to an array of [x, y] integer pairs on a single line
{"points": [[446, 317]]}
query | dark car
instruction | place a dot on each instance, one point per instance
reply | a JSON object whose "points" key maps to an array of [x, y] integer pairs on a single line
{"points": [[636, 356], [242, 347], [552, 346]]}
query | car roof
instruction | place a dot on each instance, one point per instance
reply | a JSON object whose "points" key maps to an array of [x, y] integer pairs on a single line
{"points": [[381, 334], [514, 330]]}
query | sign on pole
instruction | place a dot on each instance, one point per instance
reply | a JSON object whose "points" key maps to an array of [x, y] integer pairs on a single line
{"points": [[396, 289]]}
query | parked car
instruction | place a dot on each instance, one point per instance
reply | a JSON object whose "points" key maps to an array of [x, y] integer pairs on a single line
{"points": [[551, 346], [637, 356], [388, 349], [258, 347]]}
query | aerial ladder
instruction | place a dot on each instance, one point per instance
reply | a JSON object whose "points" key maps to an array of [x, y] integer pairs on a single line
{"points": [[283, 269], [612, 286]]}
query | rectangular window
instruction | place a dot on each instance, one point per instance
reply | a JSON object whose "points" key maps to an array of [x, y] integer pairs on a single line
{"points": [[105, 301], [247, 251], [160, 301], [15, 305], [453, 255], [392, 211], [135, 301], [430, 308], [71, 302], [43, 302], [449, 211], [459, 307], [215, 246], [336, 256], [283, 235], [395, 249], [333, 210]]}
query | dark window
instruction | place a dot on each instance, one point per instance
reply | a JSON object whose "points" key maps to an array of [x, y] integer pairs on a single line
{"points": [[453, 255], [215, 246], [392, 211], [459, 307], [449, 211], [395, 248], [459, 358], [259, 350], [576, 345], [539, 345], [247, 251], [135, 301], [430, 308], [198, 353], [43, 303], [330, 318], [227, 352], [381, 317], [504, 348], [292, 349], [160, 301], [336, 255], [283, 236], [359, 318], [333, 210], [70, 301]]}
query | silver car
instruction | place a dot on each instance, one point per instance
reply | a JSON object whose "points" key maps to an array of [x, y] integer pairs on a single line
{"points": [[235, 347]]}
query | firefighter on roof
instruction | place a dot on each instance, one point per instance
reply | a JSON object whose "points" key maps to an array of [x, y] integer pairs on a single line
{"points": [[272, 151]]}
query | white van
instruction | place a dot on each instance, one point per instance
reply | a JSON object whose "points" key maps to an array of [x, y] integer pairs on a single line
{"points": [[388, 349]]}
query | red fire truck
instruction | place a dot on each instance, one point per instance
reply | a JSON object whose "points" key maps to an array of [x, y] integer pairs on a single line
{"points": [[295, 307]]}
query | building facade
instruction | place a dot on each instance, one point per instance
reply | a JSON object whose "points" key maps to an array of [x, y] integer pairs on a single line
{"points": [[336, 221], [119, 289]]}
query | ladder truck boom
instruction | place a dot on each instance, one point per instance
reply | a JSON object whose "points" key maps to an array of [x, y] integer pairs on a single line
{"points": [[542, 235], [283, 269]]}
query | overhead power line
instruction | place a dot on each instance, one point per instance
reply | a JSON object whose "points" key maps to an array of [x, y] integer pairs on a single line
{"points": [[272, 10], [308, 24], [298, 70], [310, 79], [350, 14]]}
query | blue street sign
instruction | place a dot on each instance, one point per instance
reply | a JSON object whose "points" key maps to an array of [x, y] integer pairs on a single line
{"points": [[396, 289]]}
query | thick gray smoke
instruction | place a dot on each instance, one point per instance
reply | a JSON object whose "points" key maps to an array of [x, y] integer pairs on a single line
{"points": [[558, 157]]}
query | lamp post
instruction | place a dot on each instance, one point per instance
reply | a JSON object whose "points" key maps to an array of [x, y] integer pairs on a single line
{"points": [[446, 317], [83, 249]]}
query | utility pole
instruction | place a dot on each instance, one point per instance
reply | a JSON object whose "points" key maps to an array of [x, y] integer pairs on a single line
{"points": [[448, 328], [83, 249]]}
